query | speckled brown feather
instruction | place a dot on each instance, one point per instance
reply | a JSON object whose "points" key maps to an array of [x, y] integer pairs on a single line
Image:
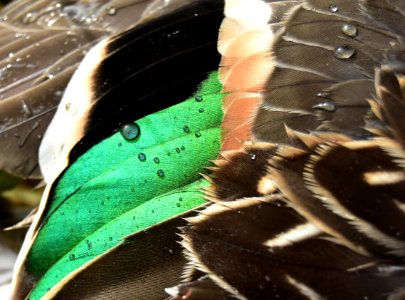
{"points": [[323, 218]]}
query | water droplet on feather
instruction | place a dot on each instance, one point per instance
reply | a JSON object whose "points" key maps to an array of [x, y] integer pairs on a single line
{"points": [[349, 30], [326, 105], [130, 131], [344, 52], [142, 156], [333, 8]]}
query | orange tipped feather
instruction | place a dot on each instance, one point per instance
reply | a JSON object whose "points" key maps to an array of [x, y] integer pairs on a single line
{"points": [[245, 44], [236, 125]]}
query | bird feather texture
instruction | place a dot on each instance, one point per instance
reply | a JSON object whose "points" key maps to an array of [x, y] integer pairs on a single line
{"points": [[122, 185], [311, 207]]}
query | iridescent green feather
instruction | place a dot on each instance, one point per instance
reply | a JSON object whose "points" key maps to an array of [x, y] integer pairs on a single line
{"points": [[120, 187]]}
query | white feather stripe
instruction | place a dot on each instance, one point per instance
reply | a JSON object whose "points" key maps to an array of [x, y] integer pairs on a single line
{"points": [[294, 235], [66, 128], [250, 14]]}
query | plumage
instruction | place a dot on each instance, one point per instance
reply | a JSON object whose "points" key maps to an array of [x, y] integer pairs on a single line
{"points": [[143, 178], [312, 207], [42, 43], [138, 262], [305, 191]]}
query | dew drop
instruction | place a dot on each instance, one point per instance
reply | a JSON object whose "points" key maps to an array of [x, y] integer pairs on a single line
{"points": [[323, 94], [198, 134], [333, 8], [160, 173], [201, 110], [198, 98], [29, 18], [72, 257], [344, 52], [26, 109], [156, 160], [71, 109], [183, 148], [178, 204], [349, 30], [142, 156], [178, 150], [186, 129], [110, 238], [130, 131], [111, 10], [326, 105]]}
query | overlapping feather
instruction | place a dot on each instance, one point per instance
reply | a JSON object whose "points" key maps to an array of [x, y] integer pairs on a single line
{"points": [[102, 96], [320, 214], [42, 43]]}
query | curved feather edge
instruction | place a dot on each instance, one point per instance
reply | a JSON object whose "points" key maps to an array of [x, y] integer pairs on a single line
{"points": [[20, 288], [360, 219], [244, 43]]}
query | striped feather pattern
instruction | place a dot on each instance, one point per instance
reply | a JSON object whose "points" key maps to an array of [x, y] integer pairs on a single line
{"points": [[313, 206]]}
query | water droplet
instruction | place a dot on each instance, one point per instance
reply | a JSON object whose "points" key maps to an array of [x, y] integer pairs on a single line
{"points": [[178, 150], [156, 160], [333, 8], [183, 148], [119, 144], [71, 109], [142, 156], [198, 98], [198, 134], [110, 238], [178, 204], [72, 257], [326, 105], [130, 131], [111, 10], [324, 94], [160, 173], [344, 52], [180, 199], [26, 109], [201, 110], [29, 18], [186, 129], [252, 156], [349, 30]]}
